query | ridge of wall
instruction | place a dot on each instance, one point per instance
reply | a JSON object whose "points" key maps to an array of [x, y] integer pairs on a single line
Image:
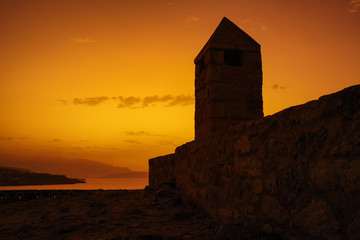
{"points": [[295, 173]]}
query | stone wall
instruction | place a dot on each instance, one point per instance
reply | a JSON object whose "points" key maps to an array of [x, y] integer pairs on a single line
{"points": [[295, 173], [161, 170]]}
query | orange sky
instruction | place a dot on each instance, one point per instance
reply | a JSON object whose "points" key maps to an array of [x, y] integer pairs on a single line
{"points": [[113, 81]]}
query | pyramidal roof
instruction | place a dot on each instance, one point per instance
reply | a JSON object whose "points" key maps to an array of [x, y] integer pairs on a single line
{"points": [[228, 35]]}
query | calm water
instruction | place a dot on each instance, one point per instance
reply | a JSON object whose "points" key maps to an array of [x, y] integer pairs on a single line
{"points": [[91, 184]]}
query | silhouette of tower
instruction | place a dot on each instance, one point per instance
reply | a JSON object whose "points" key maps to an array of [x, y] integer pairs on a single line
{"points": [[228, 80]]}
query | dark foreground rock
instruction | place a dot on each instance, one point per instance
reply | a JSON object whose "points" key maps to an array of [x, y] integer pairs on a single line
{"points": [[121, 214]]}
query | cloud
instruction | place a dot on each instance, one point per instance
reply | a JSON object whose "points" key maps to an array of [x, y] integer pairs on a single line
{"points": [[192, 19], [128, 102], [355, 6], [132, 141], [56, 140], [153, 99], [63, 101], [11, 138], [254, 25], [277, 86], [169, 100], [182, 100], [166, 143], [263, 28], [134, 101], [92, 147], [144, 133], [83, 40], [140, 133], [6, 138], [90, 101]]}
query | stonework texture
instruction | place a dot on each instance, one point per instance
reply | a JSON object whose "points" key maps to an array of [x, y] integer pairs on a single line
{"points": [[295, 173], [162, 170], [228, 81]]}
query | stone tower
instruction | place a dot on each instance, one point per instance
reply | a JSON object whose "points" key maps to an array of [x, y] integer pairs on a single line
{"points": [[228, 80]]}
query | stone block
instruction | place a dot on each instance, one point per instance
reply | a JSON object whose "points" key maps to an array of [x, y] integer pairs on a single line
{"points": [[354, 228], [243, 145], [217, 56], [202, 97], [217, 109], [252, 59], [274, 210], [226, 215], [236, 110], [257, 186], [248, 166], [207, 58], [218, 92], [218, 124], [161, 171], [317, 220]]}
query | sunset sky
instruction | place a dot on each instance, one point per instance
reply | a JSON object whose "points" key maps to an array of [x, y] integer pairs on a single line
{"points": [[113, 81]]}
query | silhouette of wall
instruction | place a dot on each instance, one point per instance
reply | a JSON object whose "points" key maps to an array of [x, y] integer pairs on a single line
{"points": [[295, 173]]}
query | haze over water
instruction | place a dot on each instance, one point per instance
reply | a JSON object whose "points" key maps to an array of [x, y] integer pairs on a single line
{"points": [[91, 184]]}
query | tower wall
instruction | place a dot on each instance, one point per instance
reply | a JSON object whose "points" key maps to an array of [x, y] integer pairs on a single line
{"points": [[228, 87]]}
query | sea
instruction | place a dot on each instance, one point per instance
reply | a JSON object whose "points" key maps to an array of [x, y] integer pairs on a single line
{"points": [[91, 184]]}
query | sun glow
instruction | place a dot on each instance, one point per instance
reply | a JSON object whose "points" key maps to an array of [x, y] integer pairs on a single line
{"points": [[113, 81]]}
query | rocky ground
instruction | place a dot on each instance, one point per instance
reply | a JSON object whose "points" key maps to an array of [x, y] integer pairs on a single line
{"points": [[122, 214]]}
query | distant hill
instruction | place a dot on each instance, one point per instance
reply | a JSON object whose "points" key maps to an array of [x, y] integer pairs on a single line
{"points": [[127, 175], [19, 177], [78, 168]]}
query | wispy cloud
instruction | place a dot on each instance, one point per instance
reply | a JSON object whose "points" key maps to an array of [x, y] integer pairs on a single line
{"points": [[55, 140], [144, 133], [12, 138], [355, 6], [128, 101], [83, 40], [140, 133], [77, 148], [132, 141], [254, 25], [153, 99], [192, 19], [182, 100], [166, 143], [63, 101], [277, 86], [90, 101], [134, 101], [6, 138]]}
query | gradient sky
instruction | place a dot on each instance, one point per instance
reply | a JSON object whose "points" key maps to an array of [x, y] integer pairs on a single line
{"points": [[113, 81]]}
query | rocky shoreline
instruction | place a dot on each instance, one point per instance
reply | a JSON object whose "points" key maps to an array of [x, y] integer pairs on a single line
{"points": [[23, 177]]}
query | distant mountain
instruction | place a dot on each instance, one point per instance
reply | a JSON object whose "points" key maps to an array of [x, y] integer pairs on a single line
{"points": [[127, 175], [78, 168], [19, 177]]}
